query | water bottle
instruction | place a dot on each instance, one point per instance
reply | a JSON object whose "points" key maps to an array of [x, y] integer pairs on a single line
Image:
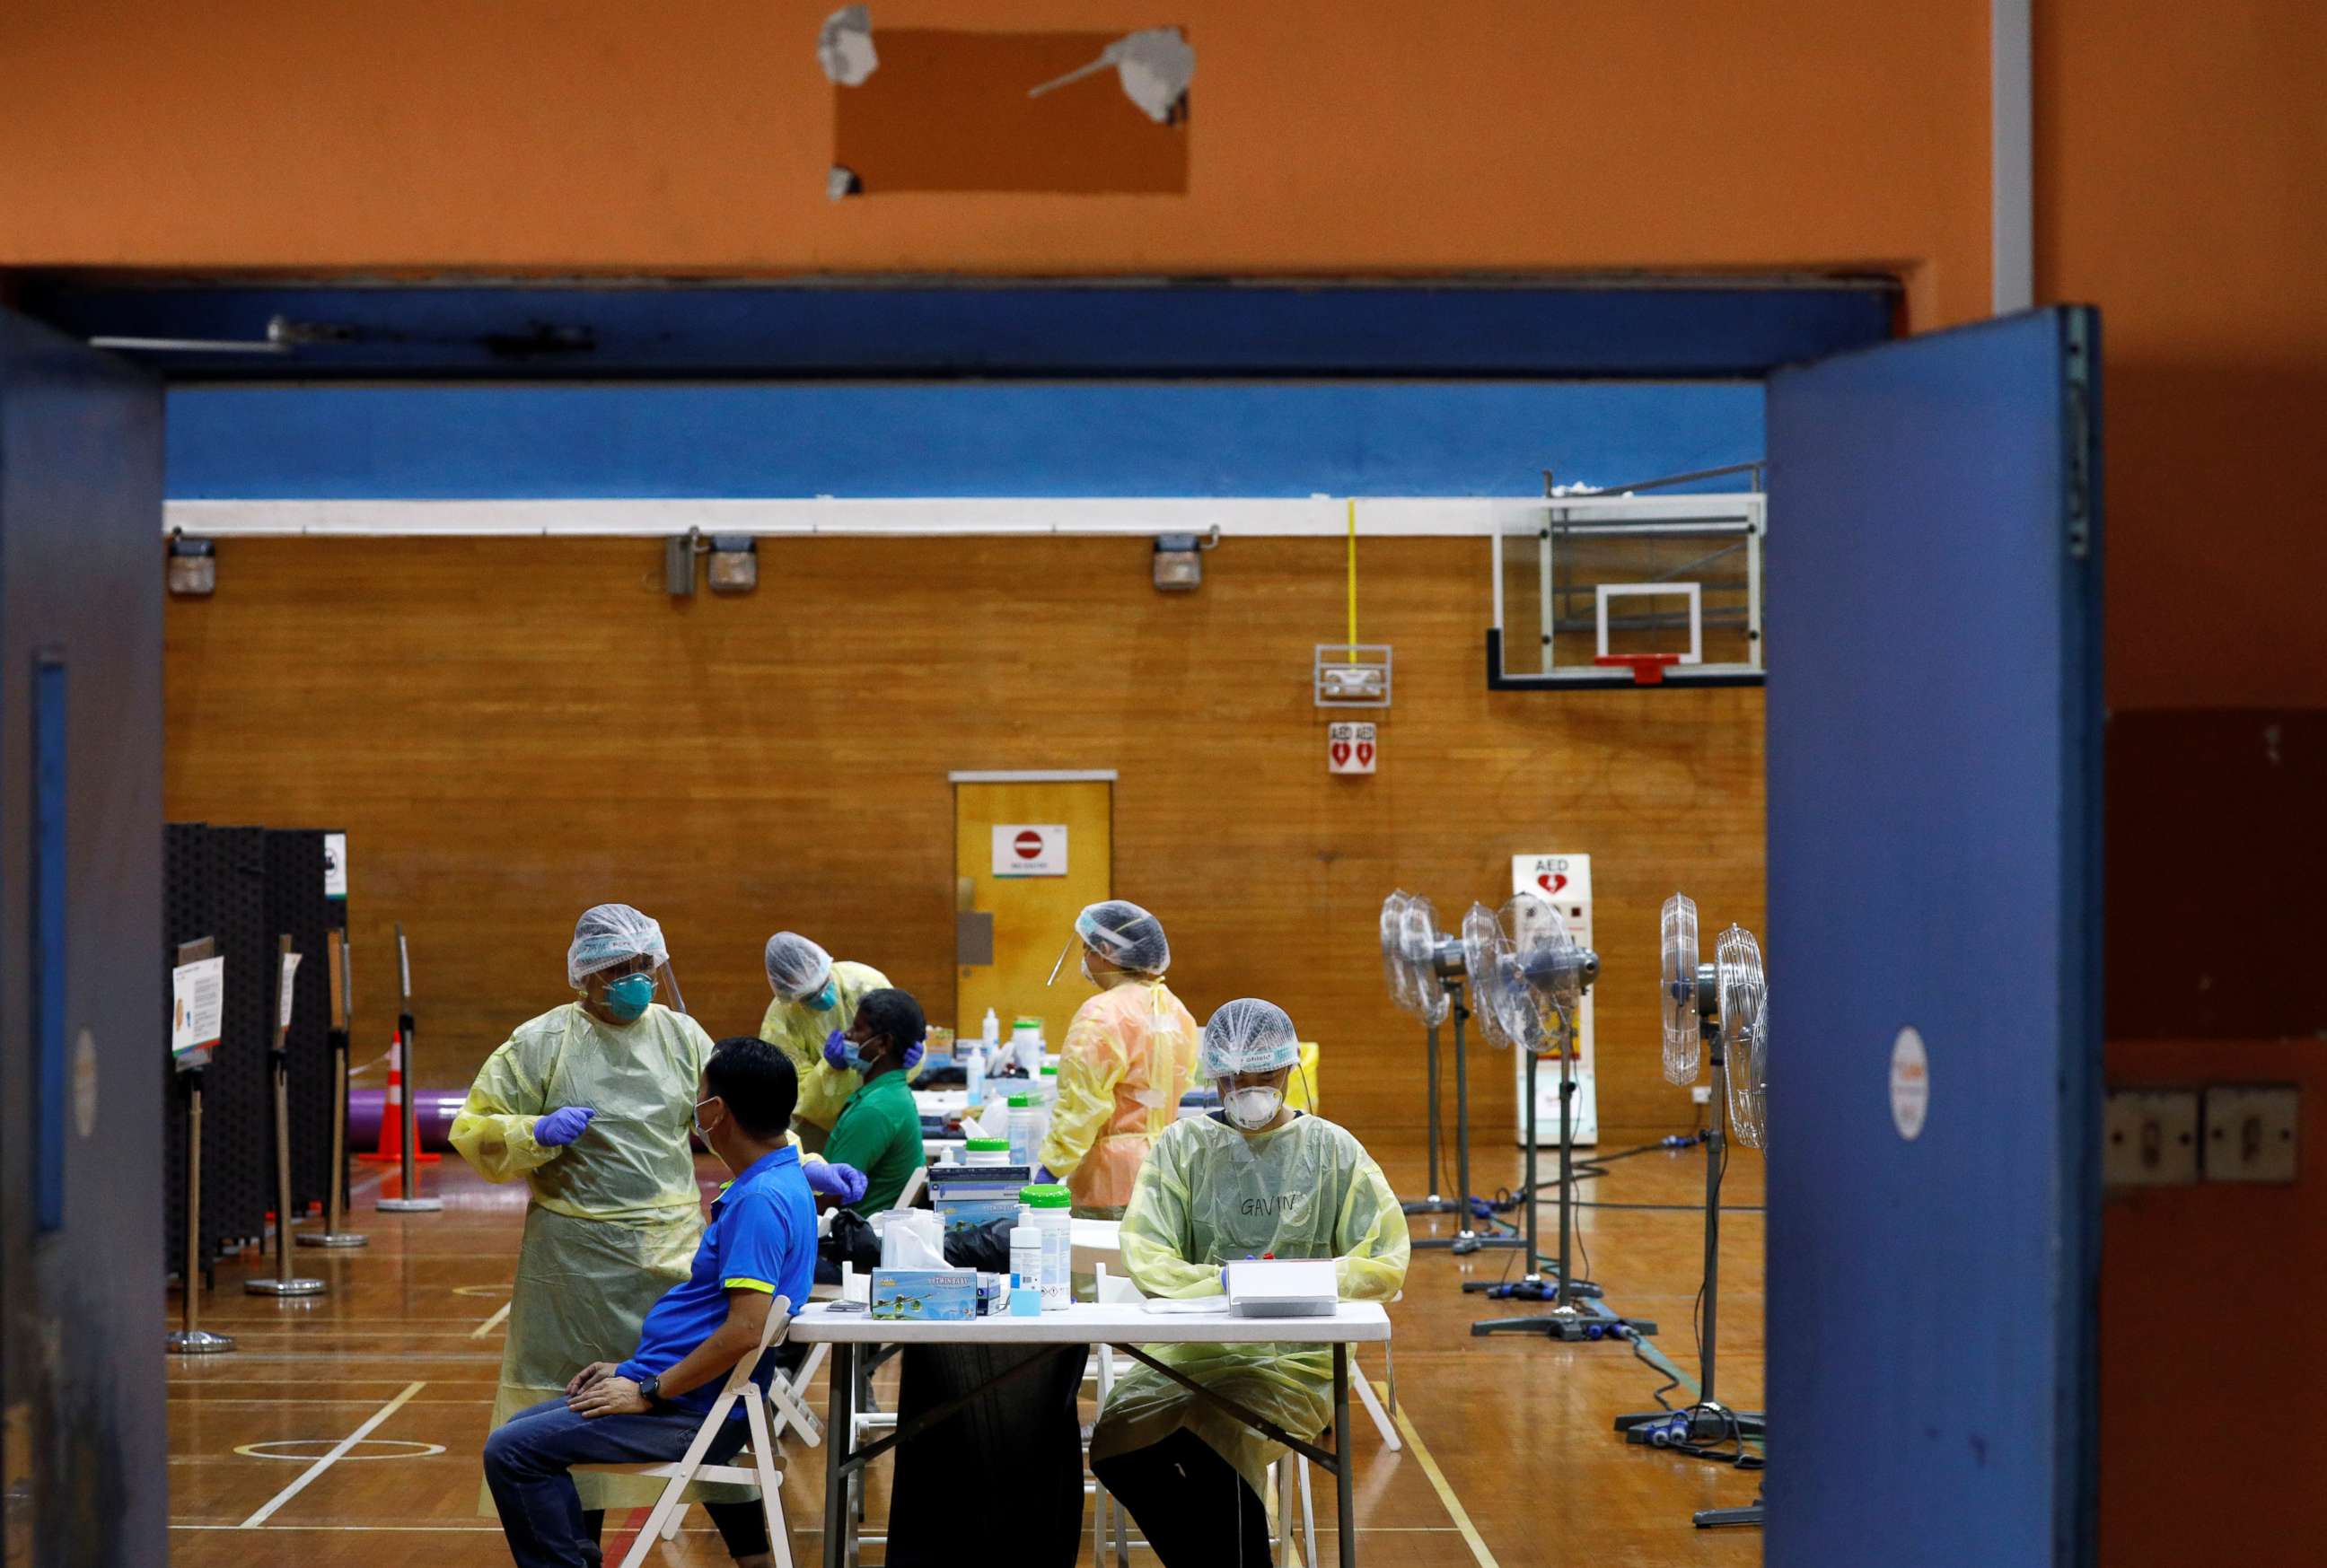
{"points": [[993, 1030]]}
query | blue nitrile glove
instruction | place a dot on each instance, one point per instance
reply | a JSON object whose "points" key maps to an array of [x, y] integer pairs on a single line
{"points": [[835, 1051], [561, 1128], [912, 1056], [1044, 1176], [844, 1183]]}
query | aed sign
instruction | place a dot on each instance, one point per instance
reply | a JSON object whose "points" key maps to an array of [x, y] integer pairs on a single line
{"points": [[1030, 849], [1563, 879], [1349, 749], [335, 865]]}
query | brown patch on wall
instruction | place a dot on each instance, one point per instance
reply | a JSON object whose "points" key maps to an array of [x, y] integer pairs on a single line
{"points": [[2216, 856], [948, 111]]}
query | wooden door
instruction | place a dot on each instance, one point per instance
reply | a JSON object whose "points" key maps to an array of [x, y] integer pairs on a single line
{"points": [[1009, 926]]}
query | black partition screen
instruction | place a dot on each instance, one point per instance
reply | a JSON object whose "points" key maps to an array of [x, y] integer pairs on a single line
{"points": [[248, 887]]}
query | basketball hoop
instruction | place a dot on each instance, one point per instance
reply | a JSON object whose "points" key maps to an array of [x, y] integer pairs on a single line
{"points": [[1648, 669]]}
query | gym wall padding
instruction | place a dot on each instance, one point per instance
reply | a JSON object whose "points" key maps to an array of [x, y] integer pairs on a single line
{"points": [[513, 729]]}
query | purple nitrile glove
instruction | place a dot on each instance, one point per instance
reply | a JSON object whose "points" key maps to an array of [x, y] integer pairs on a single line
{"points": [[844, 1183], [1043, 1176], [561, 1128], [912, 1056], [835, 1051]]}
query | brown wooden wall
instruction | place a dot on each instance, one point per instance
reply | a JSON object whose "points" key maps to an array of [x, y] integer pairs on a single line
{"points": [[512, 730]]}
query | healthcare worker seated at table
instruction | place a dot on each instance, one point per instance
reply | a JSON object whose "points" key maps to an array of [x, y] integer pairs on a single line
{"points": [[591, 1103], [1248, 1179], [879, 1129], [1129, 1054], [761, 1244], [817, 998]]}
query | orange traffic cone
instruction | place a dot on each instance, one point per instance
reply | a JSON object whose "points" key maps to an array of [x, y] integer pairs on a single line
{"points": [[391, 1115]]}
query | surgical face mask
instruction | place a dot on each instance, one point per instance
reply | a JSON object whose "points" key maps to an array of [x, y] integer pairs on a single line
{"points": [[627, 998], [1253, 1108], [1085, 966], [701, 1130], [856, 1059], [824, 1001]]}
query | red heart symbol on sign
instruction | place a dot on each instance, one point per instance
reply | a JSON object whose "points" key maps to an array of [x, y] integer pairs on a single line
{"points": [[1365, 750], [1341, 751], [1552, 882]]}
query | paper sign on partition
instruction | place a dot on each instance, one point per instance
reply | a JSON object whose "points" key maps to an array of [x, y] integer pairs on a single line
{"points": [[197, 1006]]}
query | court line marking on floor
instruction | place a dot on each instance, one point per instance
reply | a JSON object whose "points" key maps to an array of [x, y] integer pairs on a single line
{"points": [[300, 1483], [1438, 1483], [489, 1324]]}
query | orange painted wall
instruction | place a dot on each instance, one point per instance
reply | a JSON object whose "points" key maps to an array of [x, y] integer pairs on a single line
{"points": [[2180, 153], [692, 136]]}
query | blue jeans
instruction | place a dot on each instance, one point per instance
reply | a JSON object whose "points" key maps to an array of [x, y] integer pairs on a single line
{"points": [[529, 1457]]}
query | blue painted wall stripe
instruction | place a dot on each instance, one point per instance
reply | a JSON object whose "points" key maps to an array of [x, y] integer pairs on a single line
{"points": [[1037, 439]]}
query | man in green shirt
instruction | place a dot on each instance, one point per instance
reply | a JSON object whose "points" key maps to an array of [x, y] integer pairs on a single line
{"points": [[879, 1129]]}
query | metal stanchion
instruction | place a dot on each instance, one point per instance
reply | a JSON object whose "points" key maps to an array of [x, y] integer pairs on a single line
{"points": [[334, 1233], [408, 1201], [191, 1338], [284, 1283]]}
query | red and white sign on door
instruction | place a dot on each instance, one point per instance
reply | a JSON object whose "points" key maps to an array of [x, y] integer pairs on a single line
{"points": [[1349, 749], [1030, 849]]}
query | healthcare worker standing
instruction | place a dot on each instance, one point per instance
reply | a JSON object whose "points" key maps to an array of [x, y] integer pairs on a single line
{"points": [[1130, 1053], [592, 1104], [1250, 1180], [816, 1000]]}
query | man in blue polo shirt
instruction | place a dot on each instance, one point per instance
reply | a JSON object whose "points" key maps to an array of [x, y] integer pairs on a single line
{"points": [[761, 1244]]}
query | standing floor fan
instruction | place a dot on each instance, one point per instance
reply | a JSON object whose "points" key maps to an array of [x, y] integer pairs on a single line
{"points": [[1718, 1011], [1527, 977], [1424, 970]]}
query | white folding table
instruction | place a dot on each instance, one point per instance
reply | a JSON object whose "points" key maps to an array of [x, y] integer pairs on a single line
{"points": [[1128, 1326]]}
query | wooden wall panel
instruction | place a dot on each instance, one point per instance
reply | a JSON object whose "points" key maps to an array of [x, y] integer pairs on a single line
{"points": [[514, 729]]}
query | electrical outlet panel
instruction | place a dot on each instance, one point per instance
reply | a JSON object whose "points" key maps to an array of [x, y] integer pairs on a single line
{"points": [[2250, 1132], [2149, 1138], [1701, 1094]]}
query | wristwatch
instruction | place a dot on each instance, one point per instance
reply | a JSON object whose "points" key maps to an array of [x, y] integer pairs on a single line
{"points": [[650, 1389]]}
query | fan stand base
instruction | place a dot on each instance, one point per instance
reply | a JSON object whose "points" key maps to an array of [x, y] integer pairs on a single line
{"points": [[1721, 1518], [1572, 1323], [1433, 1204], [1534, 1288], [1693, 1423]]}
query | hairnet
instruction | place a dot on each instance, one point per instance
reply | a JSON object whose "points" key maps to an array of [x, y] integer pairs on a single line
{"points": [[608, 935], [1249, 1035], [797, 967], [1123, 933]]}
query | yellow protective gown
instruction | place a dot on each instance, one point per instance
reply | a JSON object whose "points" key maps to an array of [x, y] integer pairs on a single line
{"points": [[1209, 1194], [799, 1033], [615, 1215], [1129, 1055]]}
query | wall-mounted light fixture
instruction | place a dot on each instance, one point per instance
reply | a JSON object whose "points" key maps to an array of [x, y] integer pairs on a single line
{"points": [[734, 564], [1180, 561], [193, 567]]}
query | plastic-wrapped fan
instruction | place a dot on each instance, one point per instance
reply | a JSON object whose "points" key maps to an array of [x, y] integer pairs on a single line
{"points": [[1393, 948], [1483, 940], [1553, 966], [1744, 1032], [1420, 946], [1683, 1033]]}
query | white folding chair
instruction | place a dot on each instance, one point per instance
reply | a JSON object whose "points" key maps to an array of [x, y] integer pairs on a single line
{"points": [[760, 1472]]}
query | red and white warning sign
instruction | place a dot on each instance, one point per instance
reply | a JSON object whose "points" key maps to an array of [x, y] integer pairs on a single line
{"points": [[1349, 749], [1030, 849]]}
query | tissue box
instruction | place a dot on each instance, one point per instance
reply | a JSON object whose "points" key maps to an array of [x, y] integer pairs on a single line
{"points": [[925, 1295]]}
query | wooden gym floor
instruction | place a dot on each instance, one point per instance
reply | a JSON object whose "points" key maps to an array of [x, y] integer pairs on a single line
{"points": [[345, 1430]]}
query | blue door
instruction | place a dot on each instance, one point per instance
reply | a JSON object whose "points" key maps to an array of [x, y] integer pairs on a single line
{"points": [[1934, 748], [83, 1002]]}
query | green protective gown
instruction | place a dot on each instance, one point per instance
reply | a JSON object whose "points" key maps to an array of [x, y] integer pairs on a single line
{"points": [[1209, 1194], [615, 1215], [800, 1034]]}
